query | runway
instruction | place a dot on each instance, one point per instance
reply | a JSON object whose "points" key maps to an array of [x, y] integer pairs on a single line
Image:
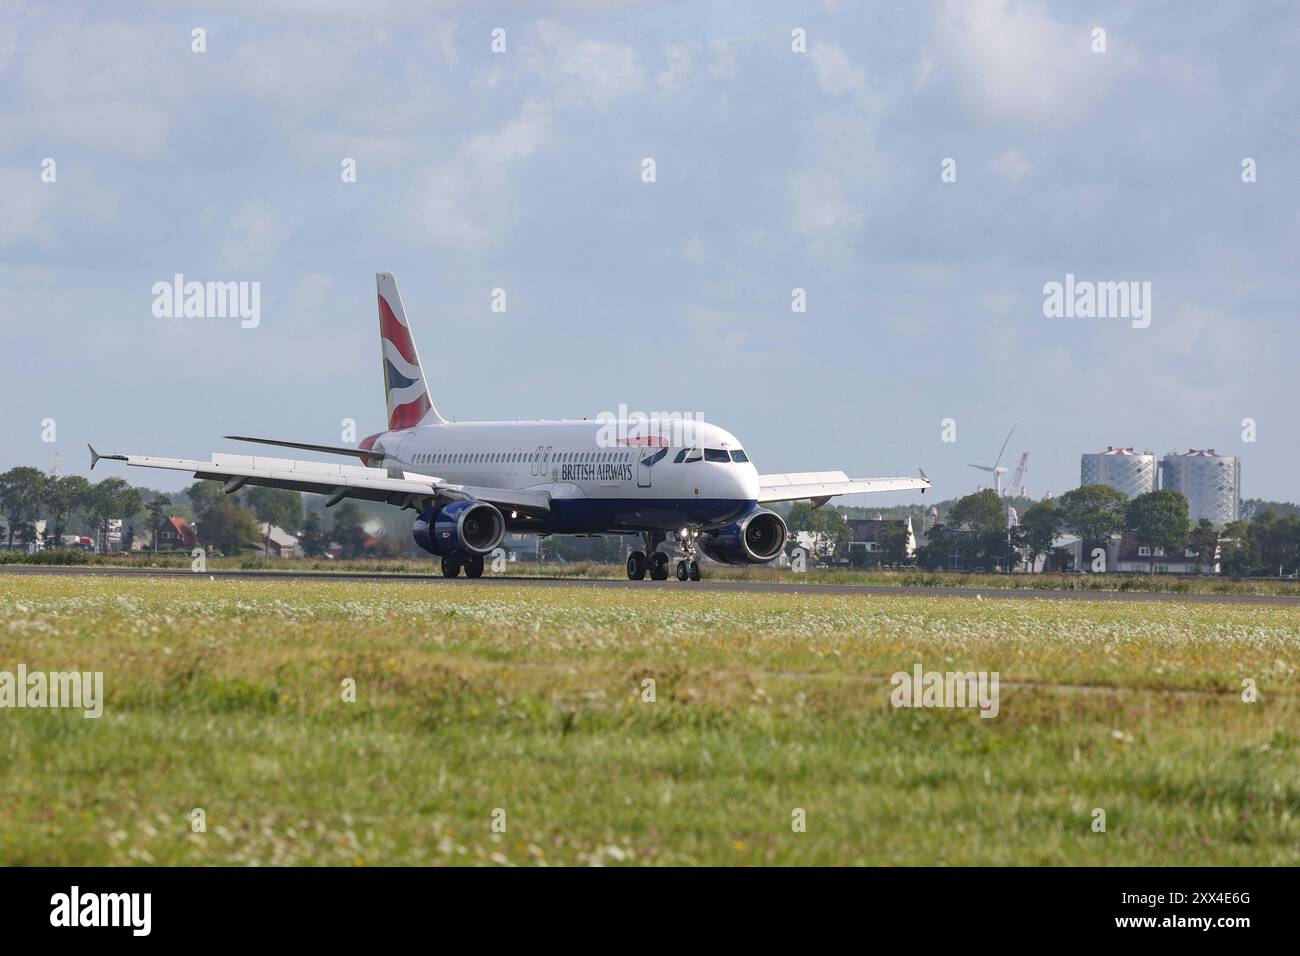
{"points": [[771, 587]]}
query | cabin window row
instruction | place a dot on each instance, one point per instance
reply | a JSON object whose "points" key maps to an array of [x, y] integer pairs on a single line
{"points": [[492, 458]]}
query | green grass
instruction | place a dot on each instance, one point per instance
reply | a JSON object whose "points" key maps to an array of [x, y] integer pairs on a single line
{"points": [[1161, 583], [225, 695]]}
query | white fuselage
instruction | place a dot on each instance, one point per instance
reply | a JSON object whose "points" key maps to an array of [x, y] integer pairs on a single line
{"points": [[601, 476]]}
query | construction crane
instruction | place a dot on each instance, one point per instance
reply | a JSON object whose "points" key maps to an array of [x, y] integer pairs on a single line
{"points": [[1015, 486]]}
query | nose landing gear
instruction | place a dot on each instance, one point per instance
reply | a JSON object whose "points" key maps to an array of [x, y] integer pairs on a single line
{"points": [[655, 562]]}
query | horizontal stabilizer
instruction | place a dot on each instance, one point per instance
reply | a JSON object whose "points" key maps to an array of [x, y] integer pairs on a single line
{"points": [[363, 453]]}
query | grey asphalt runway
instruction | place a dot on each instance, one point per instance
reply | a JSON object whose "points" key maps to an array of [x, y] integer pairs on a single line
{"points": [[771, 587]]}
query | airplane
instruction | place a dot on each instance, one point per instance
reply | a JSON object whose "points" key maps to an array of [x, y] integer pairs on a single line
{"points": [[471, 482]]}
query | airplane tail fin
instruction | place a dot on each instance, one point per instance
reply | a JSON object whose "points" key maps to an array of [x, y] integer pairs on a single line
{"points": [[405, 388]]}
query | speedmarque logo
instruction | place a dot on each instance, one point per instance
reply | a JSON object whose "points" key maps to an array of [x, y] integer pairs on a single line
{"points": [[103, 909]]}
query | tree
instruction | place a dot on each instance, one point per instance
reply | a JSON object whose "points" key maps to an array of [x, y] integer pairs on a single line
{"points": [[275, 506], [1234, 556], [1160, 519], [981, 512], [827, 527], [223, 523], [22, 492], [348, 530], [314, 543], [104, 504], [203, 495], [227, 527], [129, 503], [1206, 542], [893, 545], [157, 511], [1094, 513], [63, 496], [1274, 542], [1039, 527], [934, 554]]}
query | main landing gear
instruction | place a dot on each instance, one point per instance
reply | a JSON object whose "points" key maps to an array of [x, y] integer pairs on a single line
{"points": [[472, 563], [638, 564]]}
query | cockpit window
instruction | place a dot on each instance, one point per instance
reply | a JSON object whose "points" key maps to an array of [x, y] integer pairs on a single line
{"points": [[681, 456], [739, 456], [716, 454], [693, 454]]}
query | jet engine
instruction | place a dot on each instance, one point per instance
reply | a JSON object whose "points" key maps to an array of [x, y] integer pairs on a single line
{"points": [[757, 538], [464, 527]]}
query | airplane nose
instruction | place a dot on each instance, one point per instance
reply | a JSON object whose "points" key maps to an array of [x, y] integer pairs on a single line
{"points": [[740, 480]]}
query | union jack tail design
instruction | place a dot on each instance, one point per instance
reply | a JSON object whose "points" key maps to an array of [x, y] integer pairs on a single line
{"points": [[408, 395]]}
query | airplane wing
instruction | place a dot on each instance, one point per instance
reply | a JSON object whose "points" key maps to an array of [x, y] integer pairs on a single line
{"points": [[396, 487], [821, 486]]}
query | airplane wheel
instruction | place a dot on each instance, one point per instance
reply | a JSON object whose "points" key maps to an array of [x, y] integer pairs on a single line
{"points": [[474, 566], [681, 571], [450, 566], [636, 566], [694, 570], [659, 572]]}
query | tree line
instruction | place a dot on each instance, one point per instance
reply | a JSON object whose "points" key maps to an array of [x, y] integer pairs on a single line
{"points": [[1265, 542], [224, 523]]}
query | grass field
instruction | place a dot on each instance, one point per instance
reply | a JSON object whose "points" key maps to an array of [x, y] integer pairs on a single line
{"points": [[226, 695], [1160, 583]]}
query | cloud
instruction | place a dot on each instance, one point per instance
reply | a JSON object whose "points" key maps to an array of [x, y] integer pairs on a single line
{"points": [[679, 63], [1011, 166], [836, 75], [253, 240], [463, 203], [26, 204], [1013, 62], [842, 173], [722, 329], [583, 72], [694, 251]]}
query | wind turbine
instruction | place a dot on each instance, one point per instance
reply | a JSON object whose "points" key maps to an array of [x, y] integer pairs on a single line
{"points": [[998, 471]]}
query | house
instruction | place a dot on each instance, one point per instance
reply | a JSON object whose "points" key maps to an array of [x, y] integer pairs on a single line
{"points": [[33, 529], [865, 544], [281, 543], [1136, 556], [175, 533]]}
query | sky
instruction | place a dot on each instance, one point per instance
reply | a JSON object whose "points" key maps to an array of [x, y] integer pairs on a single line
{"points": [[921, 171]]}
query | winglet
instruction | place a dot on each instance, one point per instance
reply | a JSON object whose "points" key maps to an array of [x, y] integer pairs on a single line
{"points": [[924, 476], [96, 456]]}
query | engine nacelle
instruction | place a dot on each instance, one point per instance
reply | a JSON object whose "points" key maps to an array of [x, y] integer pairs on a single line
{"points": [[465, 527], [757, 538]]}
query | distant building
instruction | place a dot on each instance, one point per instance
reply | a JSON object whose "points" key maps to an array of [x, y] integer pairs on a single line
{"points": [[865, 538], [176, 532], [282, 543], [1210, 482], [1135, 556], [1126, 470]]}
